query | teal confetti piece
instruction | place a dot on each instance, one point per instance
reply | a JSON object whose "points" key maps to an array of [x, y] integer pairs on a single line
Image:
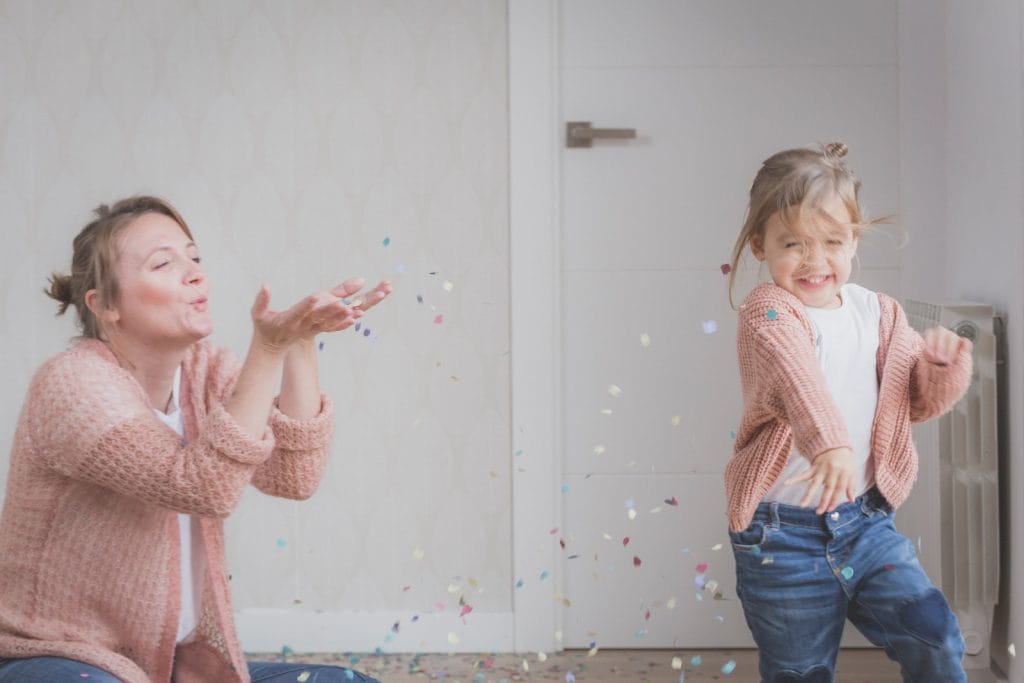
{"points": [[729, 667], [565, 488], [519, 583], [281, 543], [696, 661], [544, 574], [772, 314], [350, 674], [479, 678], [387, 241], [519, 452], [847, 573]]}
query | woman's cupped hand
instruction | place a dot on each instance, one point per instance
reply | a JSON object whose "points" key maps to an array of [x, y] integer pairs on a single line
{"points": [[331, 310]]}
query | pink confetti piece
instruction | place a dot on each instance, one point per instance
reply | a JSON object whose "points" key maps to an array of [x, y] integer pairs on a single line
{"points": [[466, 609], [726, 268], [625, 541], [672, 501], [636, 561], [438, 319], [702, 567]]}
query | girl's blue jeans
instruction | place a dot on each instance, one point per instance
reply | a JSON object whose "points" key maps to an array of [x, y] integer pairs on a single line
{"points": [[800, 576], [60, 670]]}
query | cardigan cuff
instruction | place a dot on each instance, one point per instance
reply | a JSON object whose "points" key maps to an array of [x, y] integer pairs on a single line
{"points": [[303, 435], [225, 435]]}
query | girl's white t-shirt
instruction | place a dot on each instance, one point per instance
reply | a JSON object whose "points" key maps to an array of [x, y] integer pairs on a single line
{"points": [[192, 557], [846, 340]]}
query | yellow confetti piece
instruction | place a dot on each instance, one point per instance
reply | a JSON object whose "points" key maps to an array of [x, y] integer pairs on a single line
{"points": [[454, 588], [606, 535], [598, 450], [566, 602], [614, 390], [453, 638], [606, 411], [645, 340], [656, 510], [542, 657], [558, 635], [493, 474], [448, 286], [716, 547], [418, 554], [472, 582], [526, 665], [304, 676], [592, 651], [677, 663], [631, 513], [676, 420], [671, 604], [1012, 650]]}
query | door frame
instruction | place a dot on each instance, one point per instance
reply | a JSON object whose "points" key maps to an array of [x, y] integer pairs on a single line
{"points": [[535, 293]]}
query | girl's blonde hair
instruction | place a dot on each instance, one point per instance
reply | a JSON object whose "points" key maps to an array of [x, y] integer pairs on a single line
{"points": [[94, 255], [801, 179]]}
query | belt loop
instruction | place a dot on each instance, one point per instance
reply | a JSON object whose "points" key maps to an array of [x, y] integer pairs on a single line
{"points": [[773, 515]]}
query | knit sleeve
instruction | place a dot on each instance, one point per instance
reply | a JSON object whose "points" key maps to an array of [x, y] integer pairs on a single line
{"points": [[934, 389], [784, 376], [90, 421], [299, 459]]}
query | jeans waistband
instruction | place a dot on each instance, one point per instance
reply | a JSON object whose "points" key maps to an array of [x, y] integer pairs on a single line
{"points": [[779, 513]]}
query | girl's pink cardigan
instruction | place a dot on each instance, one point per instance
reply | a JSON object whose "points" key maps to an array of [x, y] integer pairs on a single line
{"points": [[89, 540], [785, 398]]}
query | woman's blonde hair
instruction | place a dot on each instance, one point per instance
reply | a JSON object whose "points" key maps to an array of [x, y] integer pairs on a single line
{"points": [[94, 255], [801, 179]]}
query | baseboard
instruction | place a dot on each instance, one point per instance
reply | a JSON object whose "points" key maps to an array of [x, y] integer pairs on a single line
{"points": [[272, 630]]}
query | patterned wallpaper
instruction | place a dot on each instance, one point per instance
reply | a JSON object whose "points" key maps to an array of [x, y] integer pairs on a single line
{"points": [[304, 141]]}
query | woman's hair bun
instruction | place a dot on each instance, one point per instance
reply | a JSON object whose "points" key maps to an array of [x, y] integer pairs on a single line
{"points": [[836, 150], [61, 291]]}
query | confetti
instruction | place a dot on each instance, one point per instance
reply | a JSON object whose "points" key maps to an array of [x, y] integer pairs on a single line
{"points": [[726, 268], [281, 543], [729, 667], [673, 501], [716, 547], [448, 286], [565, 488], [625, 541], [631, 513], [677, 663], [570, 677], [772, 314], [696, 660], [519, 583], [606, 411], [466, 609], [1012, 650], [847, 573], [304, 676], [418, 554], [710, 326], [671, 604], [542, 657], [438, 319], [702, 567], [526, 665], [614, 390], [598, 450], [676, 419], [453, 638], [768, 559], [387, 241], [636, 561], [350, 674], [321, 346], [645, 340], [544, 574]]}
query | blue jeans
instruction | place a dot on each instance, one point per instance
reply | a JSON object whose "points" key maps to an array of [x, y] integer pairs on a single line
{"points": [[59, 670], [800, 576]]}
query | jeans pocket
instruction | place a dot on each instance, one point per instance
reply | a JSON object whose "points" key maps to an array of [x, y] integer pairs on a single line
{"points": [[750, 538]]}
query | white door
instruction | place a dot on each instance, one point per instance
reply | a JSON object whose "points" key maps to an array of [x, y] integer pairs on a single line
{"points": [[649, 388]]}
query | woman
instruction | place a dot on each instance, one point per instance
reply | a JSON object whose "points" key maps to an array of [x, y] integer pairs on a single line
{"points": [[135, 444]]}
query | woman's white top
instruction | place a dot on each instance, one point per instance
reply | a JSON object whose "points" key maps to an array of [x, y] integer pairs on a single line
{"points": [[192, 557], [847, 346]]}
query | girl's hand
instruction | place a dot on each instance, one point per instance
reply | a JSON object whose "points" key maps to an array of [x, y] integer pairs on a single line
{"points": [[941, 345], [833, 470], [325, 311]]}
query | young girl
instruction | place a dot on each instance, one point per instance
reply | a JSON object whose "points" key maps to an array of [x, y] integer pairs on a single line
{"points": [[833, 377]]}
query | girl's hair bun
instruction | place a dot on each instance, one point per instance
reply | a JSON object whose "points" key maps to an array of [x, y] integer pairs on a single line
{"points": [[836, 150]]}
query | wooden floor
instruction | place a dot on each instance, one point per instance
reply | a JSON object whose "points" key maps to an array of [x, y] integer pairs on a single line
{"points": [[634, 666]]}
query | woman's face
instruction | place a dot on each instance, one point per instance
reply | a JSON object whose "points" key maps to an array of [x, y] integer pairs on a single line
{"points": [[162, 299]]}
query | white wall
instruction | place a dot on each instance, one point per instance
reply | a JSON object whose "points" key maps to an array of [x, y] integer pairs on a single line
{"points": [[962, 177], [295, 137]]}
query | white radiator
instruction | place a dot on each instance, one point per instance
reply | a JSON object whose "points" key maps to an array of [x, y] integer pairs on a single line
{"points": [[968, 482]]}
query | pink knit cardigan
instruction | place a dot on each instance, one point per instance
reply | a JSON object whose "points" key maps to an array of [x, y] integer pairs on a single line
{"points": [[89, 540], [785, 398]]}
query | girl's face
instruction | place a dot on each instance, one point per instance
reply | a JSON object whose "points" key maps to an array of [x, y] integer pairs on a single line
{"points": [[811, 257], [162, 300]]}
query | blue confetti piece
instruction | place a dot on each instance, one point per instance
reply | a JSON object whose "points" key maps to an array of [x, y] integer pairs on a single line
{"points": [[544, 574], [350, 674], [387, 241], [817, 341], [570, 677], [366, 332], [353, 660], [285, 651], [281, 543], [847, 573], [419, 298], [772, 314], [641, 632], [519, 583], [696, 661], [729, 667], [565, 488], [358, 325], [518, 453], [321, 346]]}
